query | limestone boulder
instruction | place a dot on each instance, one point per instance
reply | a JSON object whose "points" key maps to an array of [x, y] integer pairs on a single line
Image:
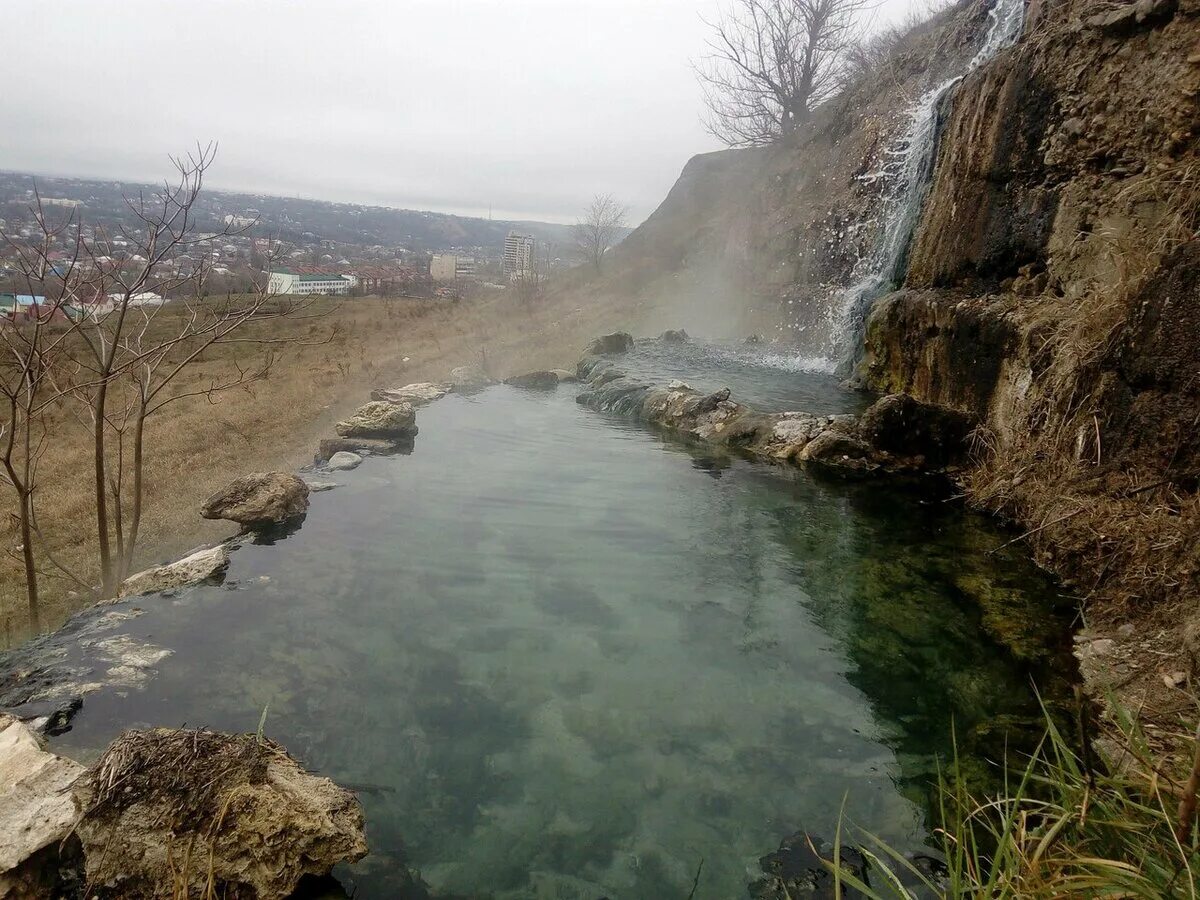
{"points": [[251, 821], [192, 569], [259, 499], [535, 381], [37, 812], [610, 344], [343, 461], [380, 419], [413, 394]]}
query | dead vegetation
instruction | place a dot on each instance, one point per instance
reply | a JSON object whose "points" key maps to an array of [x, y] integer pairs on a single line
{"points": [[187, 772]]}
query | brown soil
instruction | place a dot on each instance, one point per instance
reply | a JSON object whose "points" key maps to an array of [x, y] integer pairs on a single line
{"points": [[196, 447]]}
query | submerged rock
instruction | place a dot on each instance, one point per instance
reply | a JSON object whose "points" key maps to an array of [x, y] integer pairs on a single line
{"points": [[37, 812], [192, 569], [671, 336], [317, 487], [610, 344], [413, 394], [344, 460], [166, 809], [834, 449], [380, 419], [796, 871], [537, 381], [259, 499]]}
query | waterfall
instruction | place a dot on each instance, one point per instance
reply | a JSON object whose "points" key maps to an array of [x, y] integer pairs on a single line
{"points": [[907, 168]]}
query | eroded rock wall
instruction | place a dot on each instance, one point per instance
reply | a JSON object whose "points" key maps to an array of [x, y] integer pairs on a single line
{"points": [[1054, 292]]}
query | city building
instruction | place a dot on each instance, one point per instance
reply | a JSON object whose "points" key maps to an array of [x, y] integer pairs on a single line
{"points": [[447, 267], [518, 255], [286, 281]]}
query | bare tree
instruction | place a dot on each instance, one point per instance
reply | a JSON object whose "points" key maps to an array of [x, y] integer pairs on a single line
{"points": [[772, 62], [133, 346], [109, 342], [599, 229], [33, 337]]}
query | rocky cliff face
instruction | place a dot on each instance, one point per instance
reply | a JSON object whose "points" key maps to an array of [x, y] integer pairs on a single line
{"points": [[1053, 291], [1052, 286]]}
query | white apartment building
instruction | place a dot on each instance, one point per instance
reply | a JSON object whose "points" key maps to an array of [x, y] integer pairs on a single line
{"points": [[518, 255], [284, 281]]}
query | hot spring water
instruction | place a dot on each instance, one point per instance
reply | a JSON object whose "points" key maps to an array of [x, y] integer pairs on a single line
{"points": [[562, 657]]}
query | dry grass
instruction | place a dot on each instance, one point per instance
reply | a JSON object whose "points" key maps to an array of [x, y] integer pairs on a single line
{"points": [[195, 446]]}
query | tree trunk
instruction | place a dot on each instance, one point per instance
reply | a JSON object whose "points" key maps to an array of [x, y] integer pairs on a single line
{"points": [[135, 515], [31, 579], [106, 563]]}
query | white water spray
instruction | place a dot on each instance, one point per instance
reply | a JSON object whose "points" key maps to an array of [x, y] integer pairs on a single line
{"points": [[908, 165]]}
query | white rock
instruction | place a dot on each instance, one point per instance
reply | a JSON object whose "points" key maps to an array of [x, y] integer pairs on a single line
{"points": [[677, 385], [191, 569], [413, 394], [36, 806], [343, 460], [317, 487]]}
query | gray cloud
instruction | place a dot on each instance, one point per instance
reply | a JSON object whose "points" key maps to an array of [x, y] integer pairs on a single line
{"points": [[526, 106]]}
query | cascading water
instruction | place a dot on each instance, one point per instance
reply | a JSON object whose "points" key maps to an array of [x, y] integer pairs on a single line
{"points": [[908, 166]]}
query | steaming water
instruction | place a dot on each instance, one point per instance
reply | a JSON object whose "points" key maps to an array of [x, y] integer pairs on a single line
{"points": [[907, 167], [761, 377], [563, 658]]}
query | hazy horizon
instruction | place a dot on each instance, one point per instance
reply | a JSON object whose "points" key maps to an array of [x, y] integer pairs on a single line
{"points": [[456, 108]]}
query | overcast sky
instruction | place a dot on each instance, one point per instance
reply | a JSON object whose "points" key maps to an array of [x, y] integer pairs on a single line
{"points": [[527, 106]]}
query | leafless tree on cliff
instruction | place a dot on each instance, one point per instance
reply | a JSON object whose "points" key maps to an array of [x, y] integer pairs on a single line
{"points": [[772, 62], [599, 229]]}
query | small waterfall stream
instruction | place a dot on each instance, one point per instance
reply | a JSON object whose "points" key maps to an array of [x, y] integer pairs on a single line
{"points": [[908, 167]]}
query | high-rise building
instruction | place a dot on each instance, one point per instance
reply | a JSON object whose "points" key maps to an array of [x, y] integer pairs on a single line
{"points": [[518, 254]]}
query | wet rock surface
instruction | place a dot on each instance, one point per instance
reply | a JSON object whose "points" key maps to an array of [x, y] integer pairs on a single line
{"points": [[380, 419], [896, 434], [198, 566], [259, 499], [537, 381], [360, 445], [417, 394], [343, 461], [610, 344]]}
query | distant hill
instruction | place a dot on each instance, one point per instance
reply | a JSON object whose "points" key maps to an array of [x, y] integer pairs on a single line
{"points": [[302, 221]]}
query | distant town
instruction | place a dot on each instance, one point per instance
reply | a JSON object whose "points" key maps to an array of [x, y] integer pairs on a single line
{"points": [[300, 246]]}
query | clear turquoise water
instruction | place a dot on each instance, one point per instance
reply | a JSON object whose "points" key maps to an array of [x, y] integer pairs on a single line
{"points": [[563, 657]]}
